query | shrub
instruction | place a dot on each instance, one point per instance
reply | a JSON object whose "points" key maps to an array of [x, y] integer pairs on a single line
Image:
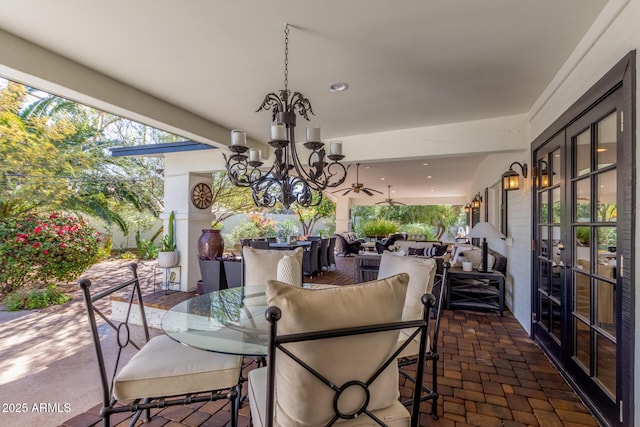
{"points": [[379, 228], [418, 229], [287, 228], [258, 225], [40, 249], [34, 299]]}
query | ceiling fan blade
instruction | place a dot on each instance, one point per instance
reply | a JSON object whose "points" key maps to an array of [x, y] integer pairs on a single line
{"points": [[375, 191], [367, 192]]}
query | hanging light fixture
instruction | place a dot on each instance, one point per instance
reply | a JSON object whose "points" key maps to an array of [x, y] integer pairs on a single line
{"points": [[511, 178], [467, 208], [288, 180]]}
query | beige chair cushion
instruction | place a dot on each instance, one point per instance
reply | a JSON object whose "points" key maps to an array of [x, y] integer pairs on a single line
{"points": [[164, 367], [394, 416], [261, 265], [421, 273], [301, 399]]}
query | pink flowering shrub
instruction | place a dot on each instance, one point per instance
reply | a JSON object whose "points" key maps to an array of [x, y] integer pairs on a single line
{"points": [[41, 249]]}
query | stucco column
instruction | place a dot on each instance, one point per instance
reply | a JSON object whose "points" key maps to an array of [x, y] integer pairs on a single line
{"points": [[189, 223], [343, 215]]}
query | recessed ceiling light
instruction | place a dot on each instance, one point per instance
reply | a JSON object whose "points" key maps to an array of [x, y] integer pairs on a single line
{"points": [[367, 167], [425, 164], [381, 179], [393, 191], [432, 190], [338, 87], [601, 150], [428, 176]]}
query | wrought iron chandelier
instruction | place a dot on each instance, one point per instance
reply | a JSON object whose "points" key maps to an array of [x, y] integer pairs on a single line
{"points": [[288, 180]]}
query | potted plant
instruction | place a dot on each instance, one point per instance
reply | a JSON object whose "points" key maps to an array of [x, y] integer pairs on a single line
{"points": [[168, 256]]}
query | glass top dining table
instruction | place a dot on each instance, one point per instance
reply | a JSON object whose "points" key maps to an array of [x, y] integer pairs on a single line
{"points": [[230, 321]]}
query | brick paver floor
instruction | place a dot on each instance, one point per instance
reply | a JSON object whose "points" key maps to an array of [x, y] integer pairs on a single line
{"points": [[490, 374]]}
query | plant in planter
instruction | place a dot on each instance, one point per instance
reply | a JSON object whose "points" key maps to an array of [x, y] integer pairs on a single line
{"points": [[168, 256], [379, 228]]}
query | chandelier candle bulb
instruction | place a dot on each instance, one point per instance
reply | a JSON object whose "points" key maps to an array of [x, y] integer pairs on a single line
{"points": [[278, 132], [238, 137], [335, 148], [254, 155], [313, 134]]}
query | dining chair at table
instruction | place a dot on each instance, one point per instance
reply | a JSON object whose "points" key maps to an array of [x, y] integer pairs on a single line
{"points": [[260, 244], [423, 278], [331, 252], [310, 259], [163, 372], [323, 256], [358, 383]]}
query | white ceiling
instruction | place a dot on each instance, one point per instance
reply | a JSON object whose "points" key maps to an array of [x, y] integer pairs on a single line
{"points": [[409, 64]]}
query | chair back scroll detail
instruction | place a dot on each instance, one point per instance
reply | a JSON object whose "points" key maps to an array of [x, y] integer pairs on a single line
{"points": [[279, 344]]}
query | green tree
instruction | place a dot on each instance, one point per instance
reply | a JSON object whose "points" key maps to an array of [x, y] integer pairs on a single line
{"points": [[54, 155], [228, 200], [310, 216]]}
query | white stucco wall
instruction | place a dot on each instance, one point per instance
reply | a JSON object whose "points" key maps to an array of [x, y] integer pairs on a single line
{"points": [[518, 279]]}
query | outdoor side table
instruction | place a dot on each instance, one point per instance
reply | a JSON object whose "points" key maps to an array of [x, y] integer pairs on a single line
{"points": [[366, 267], [475, 289]]}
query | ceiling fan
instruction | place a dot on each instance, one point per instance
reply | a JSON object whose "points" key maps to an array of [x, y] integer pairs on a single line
{"points": [[389, 200], [357, 187]]}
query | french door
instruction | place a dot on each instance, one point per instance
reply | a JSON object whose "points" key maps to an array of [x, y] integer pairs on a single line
{"points": [[582, 293]]}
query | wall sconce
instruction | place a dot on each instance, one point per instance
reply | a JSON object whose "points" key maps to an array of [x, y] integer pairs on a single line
{"points": [[511, 178], [544, 174], [467, 208], [477, 200]]}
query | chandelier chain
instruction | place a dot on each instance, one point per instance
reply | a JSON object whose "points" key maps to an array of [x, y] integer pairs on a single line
{"points": [[286, 57]]}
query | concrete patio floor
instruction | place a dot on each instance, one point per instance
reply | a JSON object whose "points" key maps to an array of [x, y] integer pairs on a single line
{"points": [[491, 373]]}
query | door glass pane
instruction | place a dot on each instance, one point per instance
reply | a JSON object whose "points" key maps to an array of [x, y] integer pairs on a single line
{"points": [[556, 321], [555, 202], [583, 153], [582, 347], [555, 241], [582, 247], [556, 282], [554, 178], [582, 291], [606, 190], [606, 306], [545, 174], [606, 363], [543, 214], [544, 242], [606, 238], [544, 311], [582, 200], [544, 276], [607, 141]]}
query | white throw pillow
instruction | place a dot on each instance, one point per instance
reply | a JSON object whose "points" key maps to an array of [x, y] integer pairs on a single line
{"points": [[301, 398], [289, 270]]}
